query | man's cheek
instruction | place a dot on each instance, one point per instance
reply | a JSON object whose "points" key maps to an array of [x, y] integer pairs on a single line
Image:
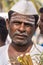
{"points": [[29, 31]]}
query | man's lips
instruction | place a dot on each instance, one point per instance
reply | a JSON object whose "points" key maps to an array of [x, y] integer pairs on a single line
{"points": [[21, 36]]}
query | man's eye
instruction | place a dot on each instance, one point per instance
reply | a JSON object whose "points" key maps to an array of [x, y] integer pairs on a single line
{"points": [[16, 23]]}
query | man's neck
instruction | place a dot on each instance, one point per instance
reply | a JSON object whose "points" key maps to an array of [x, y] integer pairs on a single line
{"points": [[22, 48], [15, 50]]}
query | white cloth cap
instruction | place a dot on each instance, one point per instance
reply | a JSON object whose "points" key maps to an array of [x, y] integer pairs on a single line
{"points": [[25, 7]]}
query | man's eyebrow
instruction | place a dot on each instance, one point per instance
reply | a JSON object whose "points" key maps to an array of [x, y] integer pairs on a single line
{"points": [[28, 22], [16, 18]]}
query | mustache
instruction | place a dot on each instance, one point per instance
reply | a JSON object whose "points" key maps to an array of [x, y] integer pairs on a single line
{"points": [[19, 33]]}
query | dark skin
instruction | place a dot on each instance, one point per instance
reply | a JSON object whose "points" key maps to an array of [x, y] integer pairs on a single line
{"points": [[20, 30], [41, 23]]}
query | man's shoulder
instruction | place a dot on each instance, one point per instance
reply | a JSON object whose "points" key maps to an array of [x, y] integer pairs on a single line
{"points": [[38, 47], [3, 48], [35, 53], [3, 55]]}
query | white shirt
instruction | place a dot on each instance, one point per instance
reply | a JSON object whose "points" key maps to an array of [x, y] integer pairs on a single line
{"points": [[40, 39], [4, 58]]}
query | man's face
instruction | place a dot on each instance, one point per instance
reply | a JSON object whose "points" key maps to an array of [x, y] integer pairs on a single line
{"points": [[41, 23], [21, 28]]}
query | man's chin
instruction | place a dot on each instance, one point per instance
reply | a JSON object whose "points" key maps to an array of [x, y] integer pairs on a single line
{"points": [[20, 43]]}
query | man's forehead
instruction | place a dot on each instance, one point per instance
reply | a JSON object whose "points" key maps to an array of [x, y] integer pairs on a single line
{"points": [[21, 16], [18, 14]]}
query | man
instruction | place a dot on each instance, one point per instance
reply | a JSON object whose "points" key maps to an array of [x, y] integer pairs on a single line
{"points": [[3, 31], [38, 37], [21, 27], [5, 16]]}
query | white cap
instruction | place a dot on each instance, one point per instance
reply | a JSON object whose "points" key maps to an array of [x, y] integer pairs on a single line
{"points": [[25, 7]]}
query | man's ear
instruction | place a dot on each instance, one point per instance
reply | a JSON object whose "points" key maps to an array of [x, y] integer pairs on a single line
{"points": [[7, 24], [36, 26]]}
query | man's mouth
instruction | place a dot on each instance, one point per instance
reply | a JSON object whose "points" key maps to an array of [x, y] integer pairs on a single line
{"points": [[20, 36]]}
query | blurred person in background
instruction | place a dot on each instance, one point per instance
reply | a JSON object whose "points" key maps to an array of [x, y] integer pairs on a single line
{"points": [[38, 36], [40, 24], [3, 31], [5, 16]]}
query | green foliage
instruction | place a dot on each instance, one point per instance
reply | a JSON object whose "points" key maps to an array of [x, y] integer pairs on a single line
{"points": [[7, 4]]}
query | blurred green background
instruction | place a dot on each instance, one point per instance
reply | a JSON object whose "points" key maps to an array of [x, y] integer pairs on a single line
{"points": [[5, 5]]}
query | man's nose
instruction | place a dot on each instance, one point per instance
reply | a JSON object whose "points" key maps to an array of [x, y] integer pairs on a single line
{"points": [[22, 28]]}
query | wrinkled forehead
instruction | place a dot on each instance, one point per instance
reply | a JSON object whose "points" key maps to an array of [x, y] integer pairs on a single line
{"points": [[17, 16]]}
